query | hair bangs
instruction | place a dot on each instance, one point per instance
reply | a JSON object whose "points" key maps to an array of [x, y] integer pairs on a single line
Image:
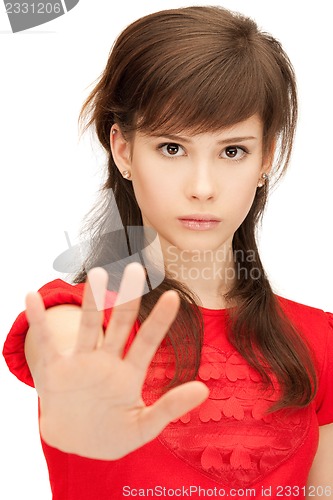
{"points": [[215, 95]]}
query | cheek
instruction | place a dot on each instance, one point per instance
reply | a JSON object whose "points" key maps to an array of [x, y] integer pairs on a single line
{"points": [[241, 199], [151, 190]]}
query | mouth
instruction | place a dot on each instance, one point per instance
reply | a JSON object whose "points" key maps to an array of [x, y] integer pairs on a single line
{"points": [[200, 218], [198, 222]]}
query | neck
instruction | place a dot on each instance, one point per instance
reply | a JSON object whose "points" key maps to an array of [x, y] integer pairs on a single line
{"points": [[208, 273]]}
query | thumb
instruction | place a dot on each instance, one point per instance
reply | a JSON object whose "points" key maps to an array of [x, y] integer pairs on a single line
{"points": [[171, 406]]}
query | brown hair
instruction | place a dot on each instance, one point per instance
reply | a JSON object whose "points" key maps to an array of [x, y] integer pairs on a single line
{"points": [[202, 69]]}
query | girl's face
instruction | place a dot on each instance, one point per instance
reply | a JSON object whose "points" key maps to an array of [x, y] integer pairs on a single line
{"points": [[178, 179]]}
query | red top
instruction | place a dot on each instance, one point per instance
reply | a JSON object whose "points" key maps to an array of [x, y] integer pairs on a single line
{"points": [[225, 447]]}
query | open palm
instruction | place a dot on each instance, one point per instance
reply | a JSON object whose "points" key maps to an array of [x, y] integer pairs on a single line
{"points": [[91, 402]]}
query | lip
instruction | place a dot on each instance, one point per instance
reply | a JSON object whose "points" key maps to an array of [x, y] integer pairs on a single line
{"points": [[199, 222], [200, 217]]}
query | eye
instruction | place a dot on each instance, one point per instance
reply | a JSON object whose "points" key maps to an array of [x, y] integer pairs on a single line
{"points": [[171, 149], [234, 153]]}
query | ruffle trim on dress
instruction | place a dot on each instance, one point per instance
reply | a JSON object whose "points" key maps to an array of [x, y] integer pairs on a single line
{"points": [[230, 437]]}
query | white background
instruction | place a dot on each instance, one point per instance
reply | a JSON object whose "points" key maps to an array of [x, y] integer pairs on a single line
{"points": [[49, 178]]}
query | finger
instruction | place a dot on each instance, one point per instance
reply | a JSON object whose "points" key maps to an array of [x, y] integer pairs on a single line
{"points": [[153, 330], [171, 406], [92, 309], [126, 308], [35, 312]]}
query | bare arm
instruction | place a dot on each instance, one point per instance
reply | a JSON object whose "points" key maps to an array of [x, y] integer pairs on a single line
{"points": [[320, 481], [63, 323]]}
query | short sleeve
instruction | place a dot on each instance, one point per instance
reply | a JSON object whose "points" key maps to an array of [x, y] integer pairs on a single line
{"points": [[55, 293], [324, 397]]}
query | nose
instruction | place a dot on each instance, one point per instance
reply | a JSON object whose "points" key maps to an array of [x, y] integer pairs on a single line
{"points": [[201, 184]]}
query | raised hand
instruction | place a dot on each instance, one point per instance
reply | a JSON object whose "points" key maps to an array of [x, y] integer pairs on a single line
{"points": [[90, 396]]}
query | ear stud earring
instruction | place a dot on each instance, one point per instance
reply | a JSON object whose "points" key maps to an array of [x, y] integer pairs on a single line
{"points": [[126, 174], [265, 178]]}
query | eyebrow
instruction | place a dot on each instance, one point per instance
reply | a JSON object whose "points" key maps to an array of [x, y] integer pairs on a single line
{"points": [[227, 140]]}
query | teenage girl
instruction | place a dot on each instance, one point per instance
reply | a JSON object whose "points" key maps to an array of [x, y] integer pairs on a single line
{"points": [[192, 378]]}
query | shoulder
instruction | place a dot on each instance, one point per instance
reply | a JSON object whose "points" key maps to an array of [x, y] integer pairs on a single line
{"points": [[296, 309], [314, 325], [54, 293], [59, 291], [316, 328]]}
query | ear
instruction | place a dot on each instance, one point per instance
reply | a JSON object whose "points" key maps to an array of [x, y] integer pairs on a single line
{"points": [[121, 150], [268, 158]]}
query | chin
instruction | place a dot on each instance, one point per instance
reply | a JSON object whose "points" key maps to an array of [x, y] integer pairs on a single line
{"points": [[202, 246]]}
